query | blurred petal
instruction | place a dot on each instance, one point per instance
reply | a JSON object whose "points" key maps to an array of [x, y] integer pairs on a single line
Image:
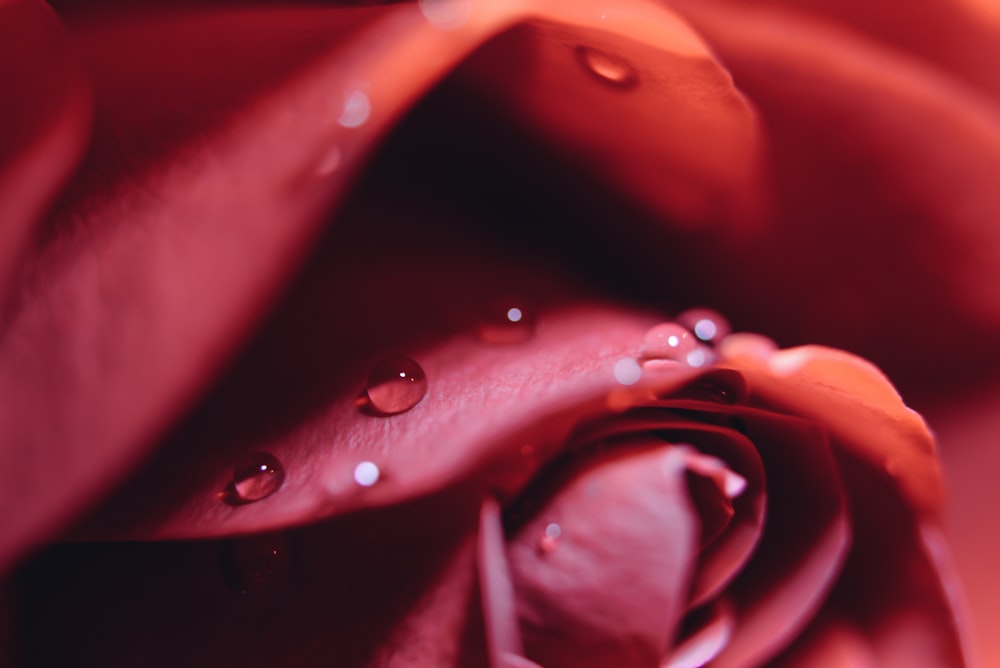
{"points": [[884, 240], [962, 36], [44, 119], [351, 593]]}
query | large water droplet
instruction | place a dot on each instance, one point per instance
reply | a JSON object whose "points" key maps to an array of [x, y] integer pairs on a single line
{"points": [[256, 564], [257, 477], [507, 323], [707, 325], [395, 385], [668, 341], [608, 68]]}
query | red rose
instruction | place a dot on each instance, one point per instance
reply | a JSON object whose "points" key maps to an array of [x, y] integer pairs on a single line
{"points": [[467, 529]]}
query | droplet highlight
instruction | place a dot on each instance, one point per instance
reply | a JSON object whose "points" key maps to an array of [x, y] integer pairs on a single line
{"points": [[668, 341], [395, 385], [356, 110], [367, 474], [708, 326], [608, 68], [506, 323], [257, 477], [256, 564], [550, 538]]}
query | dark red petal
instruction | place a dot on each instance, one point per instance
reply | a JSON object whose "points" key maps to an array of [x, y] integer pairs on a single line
{"points": [[44, 120], [380, 588], [806, 539], [897, 586]]}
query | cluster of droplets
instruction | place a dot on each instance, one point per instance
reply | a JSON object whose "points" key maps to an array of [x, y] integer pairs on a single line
{"points": [[394, 385], [690, 339], [397, 384]]}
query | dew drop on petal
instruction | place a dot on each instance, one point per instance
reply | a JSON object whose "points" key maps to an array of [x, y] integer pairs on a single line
{"points": [[257, 477], [366, 474], [550, 538], [668, 341], [357, 108], [608, 68], [395, 385], [256, 564], [506, 323], [627, 371], [707, 325]]}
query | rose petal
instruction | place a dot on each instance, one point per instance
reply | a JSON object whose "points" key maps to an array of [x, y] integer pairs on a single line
{"points": [[44, 118], [896, 585], [614, 584], [959, 35], [882, 179], [859, 406], [352, 594], [203, 208], [805, 541]]}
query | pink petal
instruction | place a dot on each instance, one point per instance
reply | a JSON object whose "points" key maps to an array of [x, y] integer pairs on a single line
{"points": [[612, 587]]}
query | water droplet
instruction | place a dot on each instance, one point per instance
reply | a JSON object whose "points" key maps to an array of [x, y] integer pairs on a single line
{"points": [[608, 68], [507, 323], [550, 538], [627, 371], [395, 385], [668, 341], [707, 325], [357, 108], [366, 474], [257, 477], [256, 564]]}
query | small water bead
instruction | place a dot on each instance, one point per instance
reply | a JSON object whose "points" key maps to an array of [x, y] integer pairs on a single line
{"points": [[550, 538], [608, 68], [669, 341], [395, 385], [257, 477], [507, 323], [256, 564], [366, 474], [707, 325]]}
